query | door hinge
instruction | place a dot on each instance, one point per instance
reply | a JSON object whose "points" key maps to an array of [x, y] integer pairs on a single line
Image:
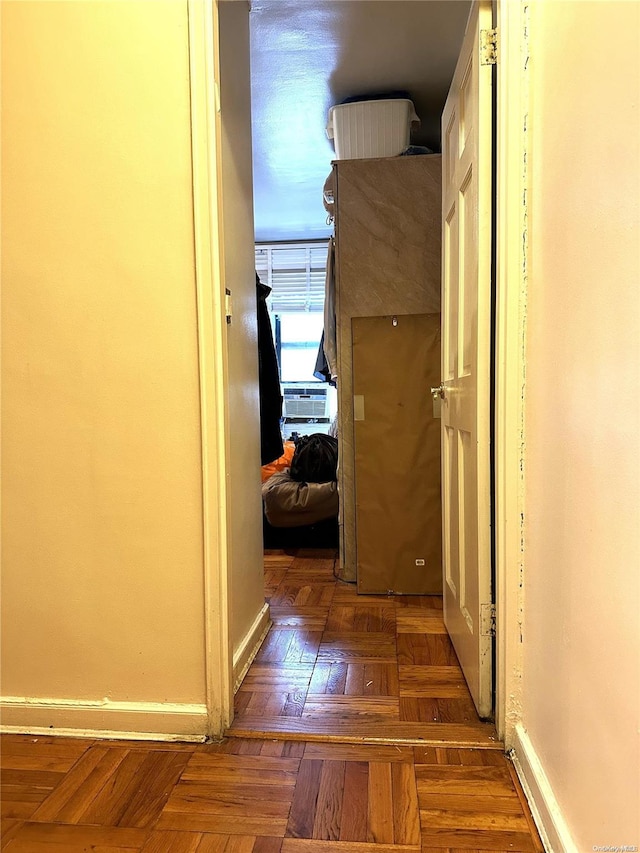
{"points": [[488, 620], [488, 47]]}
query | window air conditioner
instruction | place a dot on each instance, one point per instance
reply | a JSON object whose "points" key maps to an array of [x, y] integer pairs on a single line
{"points": [[304, 403]]}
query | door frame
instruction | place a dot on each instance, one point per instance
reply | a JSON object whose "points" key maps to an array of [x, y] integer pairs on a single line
{"points": [[511, 18], [512, 152], [204, 74]]}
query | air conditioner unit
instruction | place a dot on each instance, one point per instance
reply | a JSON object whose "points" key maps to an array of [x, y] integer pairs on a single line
{"points": [[305, 403]]}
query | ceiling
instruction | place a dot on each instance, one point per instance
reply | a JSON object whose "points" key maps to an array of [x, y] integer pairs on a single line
{"points": [[307, 55]]}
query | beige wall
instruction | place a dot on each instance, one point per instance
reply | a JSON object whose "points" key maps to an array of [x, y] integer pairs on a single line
{"points": [[581, 640], [245, 503], [102, 508]]}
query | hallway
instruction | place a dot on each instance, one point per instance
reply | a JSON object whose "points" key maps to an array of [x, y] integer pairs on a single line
{"points": [[341, 666]]}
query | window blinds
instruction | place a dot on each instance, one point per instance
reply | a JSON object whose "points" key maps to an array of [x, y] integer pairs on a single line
{"points": [[295, 272]]}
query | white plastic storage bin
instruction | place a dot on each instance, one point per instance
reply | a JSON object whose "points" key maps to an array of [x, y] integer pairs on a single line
{"points": [[365, 129]]}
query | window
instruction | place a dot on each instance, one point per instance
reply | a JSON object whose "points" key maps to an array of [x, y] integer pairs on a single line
{"points": [[296, 272], [300, 335]]}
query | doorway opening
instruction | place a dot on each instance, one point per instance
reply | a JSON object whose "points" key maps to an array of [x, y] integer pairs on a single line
{"points": [[295, 567]]}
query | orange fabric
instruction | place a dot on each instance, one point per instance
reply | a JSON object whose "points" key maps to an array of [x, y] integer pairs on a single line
{"points": [[279, 464]]}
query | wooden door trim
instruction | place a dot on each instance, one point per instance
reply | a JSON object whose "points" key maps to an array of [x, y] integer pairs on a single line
{"points": [[212, 358], [511, 313]]}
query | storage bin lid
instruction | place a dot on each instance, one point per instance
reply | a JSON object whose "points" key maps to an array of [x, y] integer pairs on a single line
{"points": [[413, 116]]}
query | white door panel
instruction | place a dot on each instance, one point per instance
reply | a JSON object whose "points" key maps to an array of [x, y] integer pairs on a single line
{"points": [[466, 322]]}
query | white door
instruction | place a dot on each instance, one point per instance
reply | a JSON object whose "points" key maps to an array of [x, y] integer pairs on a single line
{"points": [[466, 342]]}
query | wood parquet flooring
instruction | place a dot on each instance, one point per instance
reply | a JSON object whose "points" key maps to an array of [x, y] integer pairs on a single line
{"points": [[335, 681], [67, 795], [341, 666]]}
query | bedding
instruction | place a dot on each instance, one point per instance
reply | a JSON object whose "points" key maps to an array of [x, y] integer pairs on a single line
{"points": [[288, 503], [280, 463]]}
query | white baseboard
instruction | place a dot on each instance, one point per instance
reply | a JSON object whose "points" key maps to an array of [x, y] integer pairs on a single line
{"points": [[104, 719], [545, 809], [248, 648]]}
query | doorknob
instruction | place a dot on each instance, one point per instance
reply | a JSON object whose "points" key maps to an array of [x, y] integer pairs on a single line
{"points": [[438, 392]]}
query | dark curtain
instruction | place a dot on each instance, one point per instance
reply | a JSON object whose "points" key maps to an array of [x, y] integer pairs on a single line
{"points": [[269, 381]]}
